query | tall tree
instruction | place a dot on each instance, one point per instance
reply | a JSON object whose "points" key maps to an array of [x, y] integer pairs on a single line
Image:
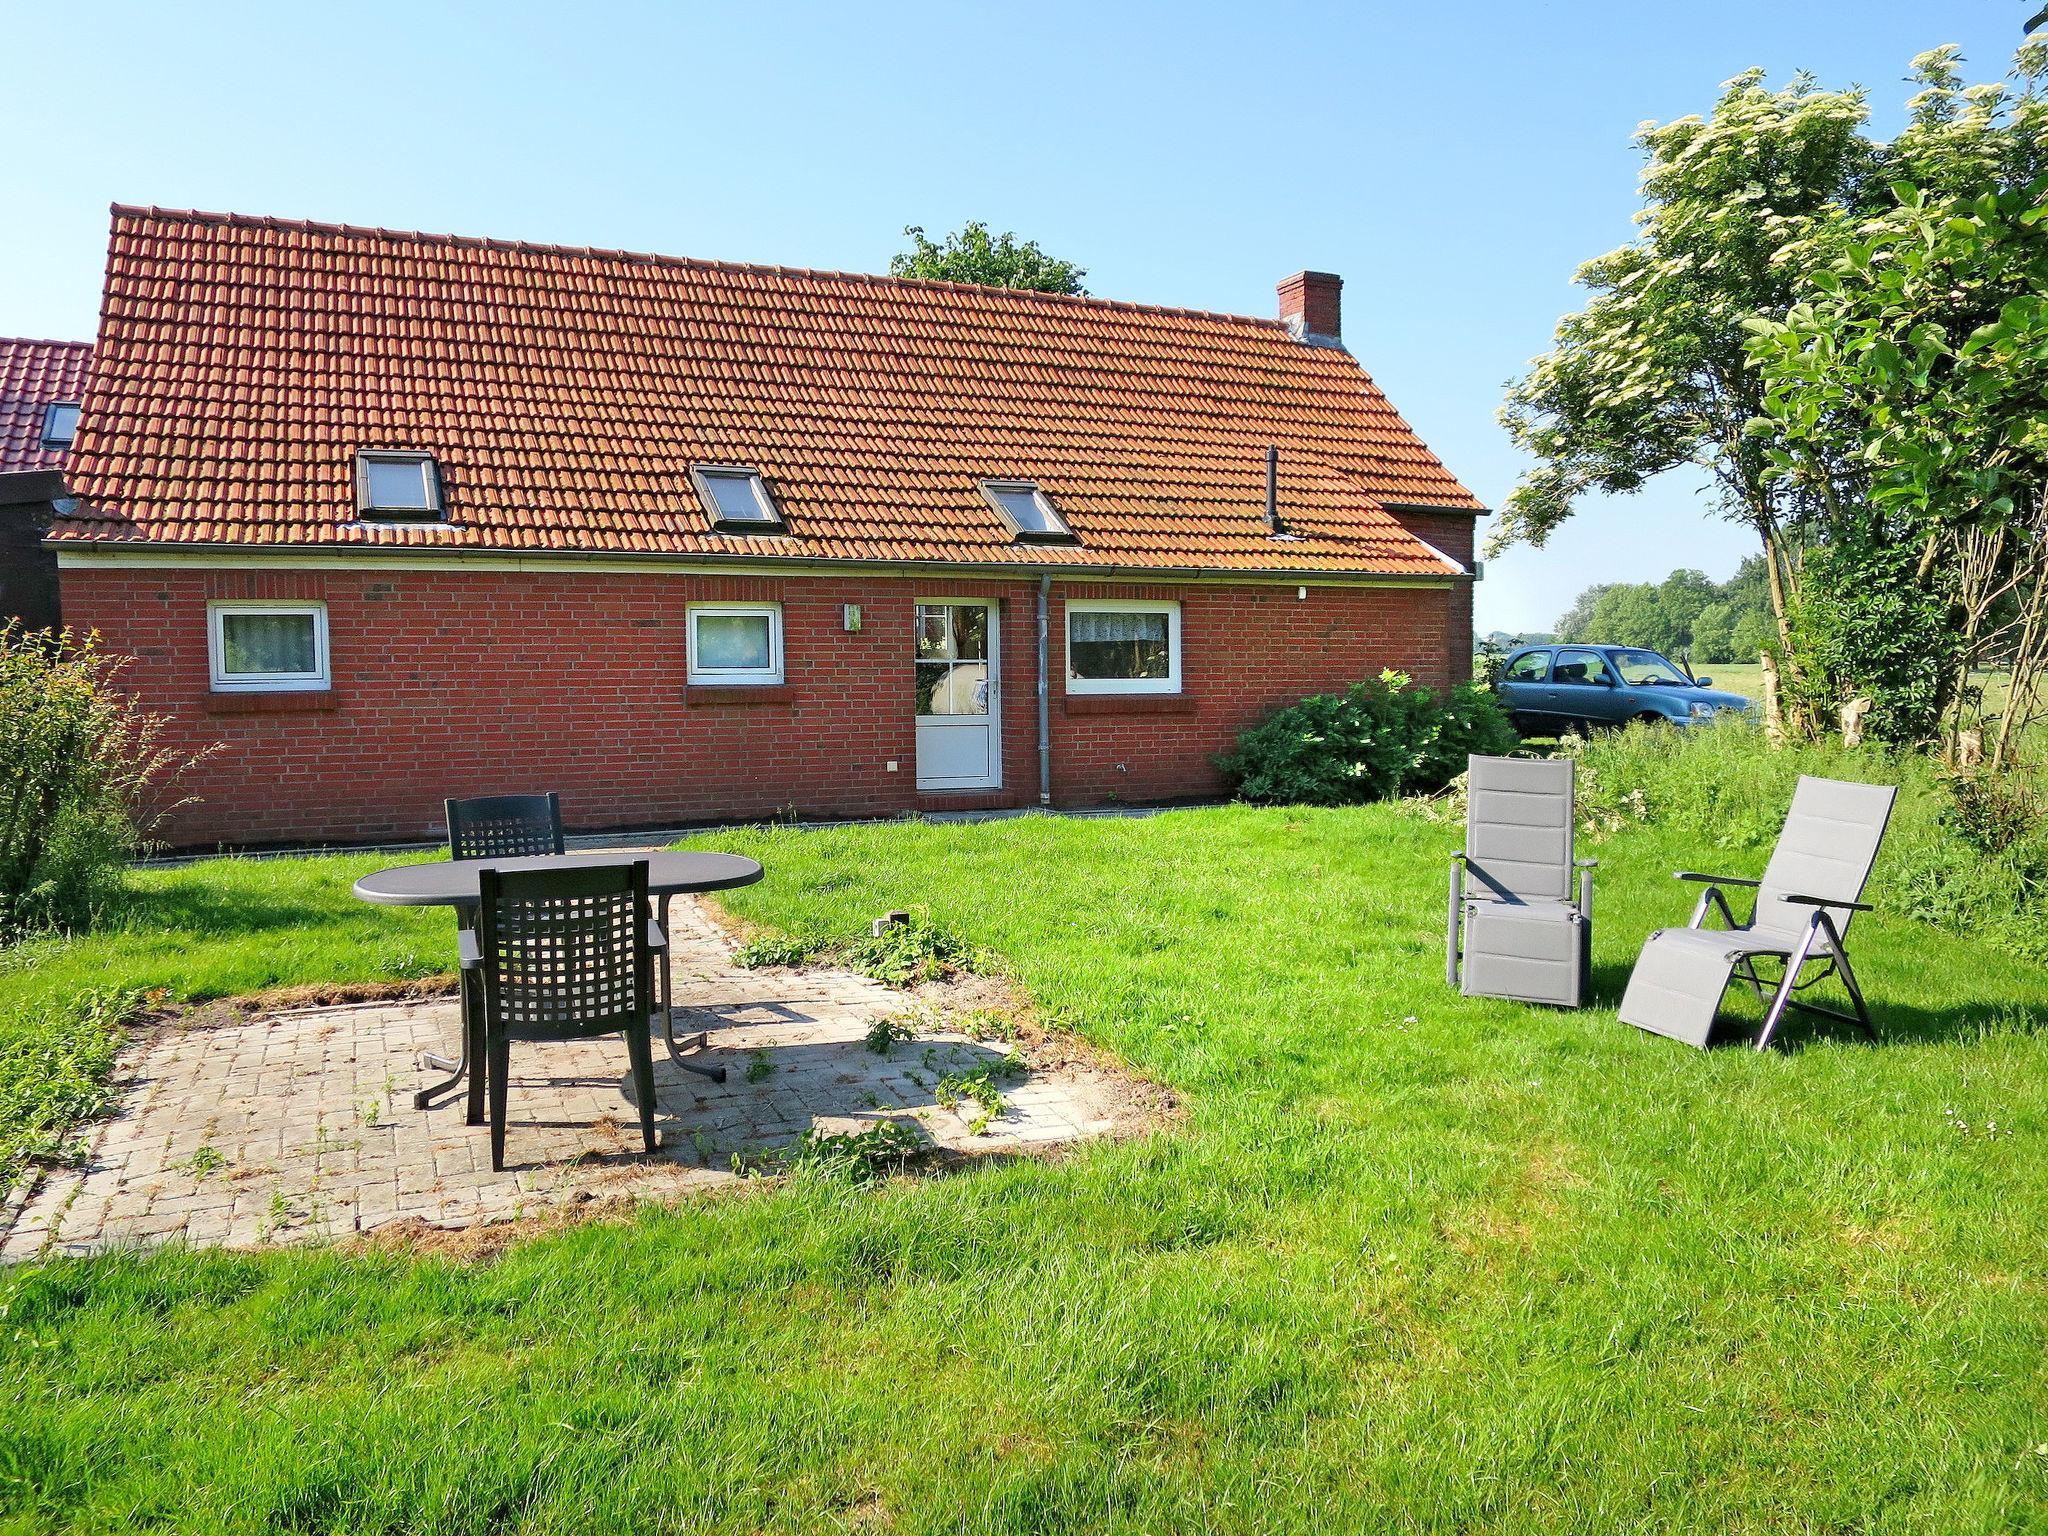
{"points": [[1654, 373], [1577, 622], [1924, 349], [973, 255]]}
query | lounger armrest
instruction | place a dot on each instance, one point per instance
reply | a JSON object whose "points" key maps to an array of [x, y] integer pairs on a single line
{"points": [[656, 939], [1460, 857], [1699, 879], [1831, 901], [468, 950], [1585, 863]]}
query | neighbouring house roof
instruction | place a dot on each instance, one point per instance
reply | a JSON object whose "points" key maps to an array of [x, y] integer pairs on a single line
{"points": [[565, 393], [33, 375]]}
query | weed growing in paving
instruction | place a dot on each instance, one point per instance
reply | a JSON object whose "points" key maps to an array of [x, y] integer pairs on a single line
{"points": [[760, 1068], [206, 1160], [854, 1157], [978, 1086], [885, 1034], [903, 954], [988, 1024], [766, 951]]}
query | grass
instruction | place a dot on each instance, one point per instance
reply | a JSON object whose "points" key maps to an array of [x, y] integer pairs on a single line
{"points": [[1410, 1263], [1745, 678]]}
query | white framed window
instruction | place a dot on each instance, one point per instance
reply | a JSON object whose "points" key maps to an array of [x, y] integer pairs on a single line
{"points": [[60, 423], [736, 499], [398, 486], [1122, 645], [736, 643], [267, 647]]}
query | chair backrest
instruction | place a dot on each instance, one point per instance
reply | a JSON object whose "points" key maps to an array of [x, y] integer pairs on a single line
{"points": [[1518, 828], [1827, 849], [504, 826], [565, 950]]}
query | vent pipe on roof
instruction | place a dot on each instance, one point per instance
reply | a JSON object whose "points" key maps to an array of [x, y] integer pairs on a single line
{"points": [[1273, 524]]}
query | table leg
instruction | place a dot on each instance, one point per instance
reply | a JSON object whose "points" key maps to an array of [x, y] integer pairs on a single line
{"points": [[702, 1039], [459, 1065]]}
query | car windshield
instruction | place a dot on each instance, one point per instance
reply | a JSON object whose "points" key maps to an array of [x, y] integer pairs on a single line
{"points": [[1640, 667]]}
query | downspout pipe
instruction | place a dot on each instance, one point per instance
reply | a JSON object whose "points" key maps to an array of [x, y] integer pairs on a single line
{"points": [[1044, 688]]}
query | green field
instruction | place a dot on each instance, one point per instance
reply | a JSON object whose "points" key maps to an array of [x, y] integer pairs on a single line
{"points": [[1408, 1262], [1737, 677]]}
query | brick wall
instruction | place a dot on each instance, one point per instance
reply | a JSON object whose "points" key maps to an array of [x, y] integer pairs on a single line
{"points": [[463, 683], [1454, 533]]}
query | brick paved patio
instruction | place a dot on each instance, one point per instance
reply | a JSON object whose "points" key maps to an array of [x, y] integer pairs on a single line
{"points": [[296, 1126]]}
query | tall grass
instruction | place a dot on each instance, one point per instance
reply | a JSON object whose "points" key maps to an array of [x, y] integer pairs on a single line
{"points": [[1941, 865]]}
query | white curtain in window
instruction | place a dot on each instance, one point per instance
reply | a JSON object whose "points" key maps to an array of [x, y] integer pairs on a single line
{"points": [[734, 642], [1093, 628], [254, 643]]}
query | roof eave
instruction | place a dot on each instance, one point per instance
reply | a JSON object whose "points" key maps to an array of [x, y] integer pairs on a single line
{"points": [[791, 564]]}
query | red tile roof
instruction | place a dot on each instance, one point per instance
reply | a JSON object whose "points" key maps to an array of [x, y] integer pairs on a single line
{"points": [[32, 375], [242, 362]]}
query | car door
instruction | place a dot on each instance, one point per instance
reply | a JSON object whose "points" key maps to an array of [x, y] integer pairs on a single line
{"points": [[1522, 690], [1582, 688]]}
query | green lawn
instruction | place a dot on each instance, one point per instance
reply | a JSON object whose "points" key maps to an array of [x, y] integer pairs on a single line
{"points": [[1409, 1263]]}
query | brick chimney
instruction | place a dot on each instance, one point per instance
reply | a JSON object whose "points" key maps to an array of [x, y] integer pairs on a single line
{"points": [[1311, 305]]}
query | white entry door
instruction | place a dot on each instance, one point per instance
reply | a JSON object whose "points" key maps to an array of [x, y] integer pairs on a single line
{"points": [[957, 731]]}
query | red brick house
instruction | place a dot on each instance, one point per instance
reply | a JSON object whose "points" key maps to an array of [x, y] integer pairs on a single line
{"points": [[41, 385], [398, 516]]}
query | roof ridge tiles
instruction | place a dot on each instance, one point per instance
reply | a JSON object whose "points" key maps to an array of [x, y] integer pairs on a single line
{"points": [[687, 263]]}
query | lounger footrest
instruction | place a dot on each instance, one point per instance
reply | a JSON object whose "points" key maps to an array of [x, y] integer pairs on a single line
{"points": [[1676, 987], [1533, 953]]}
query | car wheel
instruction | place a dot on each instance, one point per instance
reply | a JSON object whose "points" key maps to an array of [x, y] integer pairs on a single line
{"points": [[1649, 717]]}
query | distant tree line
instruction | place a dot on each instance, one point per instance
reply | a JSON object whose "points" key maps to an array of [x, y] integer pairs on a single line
{"points": [[1685, 613]]}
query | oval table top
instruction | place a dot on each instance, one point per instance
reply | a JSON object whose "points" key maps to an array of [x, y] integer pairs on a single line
{"points": [[453, 882]]}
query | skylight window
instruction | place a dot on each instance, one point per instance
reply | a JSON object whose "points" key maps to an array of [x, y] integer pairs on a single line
{"points": [[398, 487], [60, 423], [735, 499], [1030, 514]]}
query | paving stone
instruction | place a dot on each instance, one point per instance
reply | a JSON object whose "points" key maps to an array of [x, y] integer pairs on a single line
{"points": [[287, 1100]]}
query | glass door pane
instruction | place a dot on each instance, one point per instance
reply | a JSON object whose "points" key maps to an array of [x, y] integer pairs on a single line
{"points": [[952, 660]]}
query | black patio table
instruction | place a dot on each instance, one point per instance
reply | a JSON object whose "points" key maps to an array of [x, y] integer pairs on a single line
{"points": [[454, 883]]}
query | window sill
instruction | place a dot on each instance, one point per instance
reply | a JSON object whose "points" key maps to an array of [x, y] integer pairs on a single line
{"points": [[1128, 703], [282, 701], [701, 695]]}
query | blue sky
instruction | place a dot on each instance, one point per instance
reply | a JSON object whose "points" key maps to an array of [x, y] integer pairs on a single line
{"points": [[1454, 162]]}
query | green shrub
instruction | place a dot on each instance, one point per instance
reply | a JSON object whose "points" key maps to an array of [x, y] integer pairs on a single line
{"points": [[1375, 741], [1866, 625], [83, 773]]}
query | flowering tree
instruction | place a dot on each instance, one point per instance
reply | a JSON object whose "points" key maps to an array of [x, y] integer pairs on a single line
{"points": [[1739, 207]]}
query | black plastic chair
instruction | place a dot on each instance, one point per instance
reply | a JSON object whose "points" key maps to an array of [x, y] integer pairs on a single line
{"points": [[504, 826], [487, 827], [565, 954]]}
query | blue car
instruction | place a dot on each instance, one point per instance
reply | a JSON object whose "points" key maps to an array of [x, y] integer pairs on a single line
{"points": [[1551, 689]]}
